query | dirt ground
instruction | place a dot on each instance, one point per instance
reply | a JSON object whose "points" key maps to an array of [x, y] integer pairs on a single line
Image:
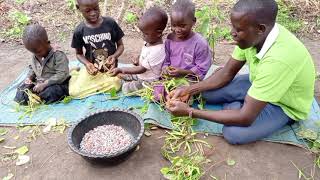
{"points": [[51, 157]]}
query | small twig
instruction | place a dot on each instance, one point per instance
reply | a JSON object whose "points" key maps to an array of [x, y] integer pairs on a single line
{"points": [[48, 158], [215, 164], [15, 172]]}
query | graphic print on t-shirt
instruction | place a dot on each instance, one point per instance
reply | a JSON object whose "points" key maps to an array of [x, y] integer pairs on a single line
{"points": [[103, 37], [100, 57], [96, 38]]}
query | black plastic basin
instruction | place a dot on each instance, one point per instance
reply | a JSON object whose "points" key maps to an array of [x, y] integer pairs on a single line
{"points": [[128, 120]]}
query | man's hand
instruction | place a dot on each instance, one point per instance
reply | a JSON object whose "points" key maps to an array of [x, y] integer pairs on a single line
{"points": [[92, 70], [39, 87], [181, 94], [178, 108], [115, 72], [28, 81]]}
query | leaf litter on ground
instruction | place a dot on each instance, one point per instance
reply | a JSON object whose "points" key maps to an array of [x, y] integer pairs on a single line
{"points": [[22, 159], [8, 177], [3, 131], [22, 150], [231, 162]]}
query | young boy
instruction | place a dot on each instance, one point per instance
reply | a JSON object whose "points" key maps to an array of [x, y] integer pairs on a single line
{"points": [[100, 36], [187, 52], [151, 24], [49, 72]]}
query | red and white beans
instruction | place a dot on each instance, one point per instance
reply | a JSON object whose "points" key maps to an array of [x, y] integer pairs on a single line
{"points": [[106, 139]]}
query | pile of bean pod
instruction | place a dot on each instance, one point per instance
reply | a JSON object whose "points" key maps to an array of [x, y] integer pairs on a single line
{"points": [[106, 139]]}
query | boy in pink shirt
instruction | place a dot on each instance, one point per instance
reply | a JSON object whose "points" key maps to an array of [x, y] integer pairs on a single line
{"points": [[151, 24]]}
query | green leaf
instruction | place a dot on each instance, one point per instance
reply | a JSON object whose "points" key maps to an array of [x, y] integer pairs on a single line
{"points": [[308, 134], [22, 150], [147, 133], [3, 131], [113, 92], [8, 177], [130, 17], [2, 140], [67, 99], [213, 177], [165, 170], [231, 162]]}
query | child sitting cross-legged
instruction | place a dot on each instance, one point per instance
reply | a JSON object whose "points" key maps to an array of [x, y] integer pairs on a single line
{"points": [[152, 24], [48, 76]]}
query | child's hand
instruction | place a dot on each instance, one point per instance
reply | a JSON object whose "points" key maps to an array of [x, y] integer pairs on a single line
{"points": [[135, 61], [91, 69], [28, 81], [165, 71], [40, 87], [111, 60], [115, 72], [175, 72]]}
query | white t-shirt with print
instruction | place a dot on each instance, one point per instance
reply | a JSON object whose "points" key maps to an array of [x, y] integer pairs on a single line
{"points": [[151, 58]]}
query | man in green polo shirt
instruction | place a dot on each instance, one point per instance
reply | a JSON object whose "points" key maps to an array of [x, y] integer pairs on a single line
{"points": [[278, 90]]}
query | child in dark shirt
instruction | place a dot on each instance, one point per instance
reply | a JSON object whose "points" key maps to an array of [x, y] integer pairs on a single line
{"points": [[100, 36], [48, 76]]}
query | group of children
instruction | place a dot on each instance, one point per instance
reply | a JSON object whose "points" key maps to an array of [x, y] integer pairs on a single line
{"points": [[183, 52]]}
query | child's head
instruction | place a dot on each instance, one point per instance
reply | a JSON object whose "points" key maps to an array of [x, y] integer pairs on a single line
{"points": [[35, 39], [252, 20], [182, 18], [90, 10], [152, 24]]}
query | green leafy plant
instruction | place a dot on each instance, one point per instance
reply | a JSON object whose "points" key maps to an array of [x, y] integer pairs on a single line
{"points": [[139, 3], [130, 18], [20, 20], [287, 18], [20, 1], [313, 139], [67, 99], [210, 23], [185, 167], [317, 76], [71, 4]]}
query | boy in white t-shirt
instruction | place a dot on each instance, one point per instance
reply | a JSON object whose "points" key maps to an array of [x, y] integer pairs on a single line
{"points": [[151, 24]]}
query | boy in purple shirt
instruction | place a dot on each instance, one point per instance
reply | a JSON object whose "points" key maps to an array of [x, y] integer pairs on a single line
{"points": [[187, 52]]}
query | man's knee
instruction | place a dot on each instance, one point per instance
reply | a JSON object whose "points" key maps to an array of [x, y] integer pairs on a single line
{"points": [[206, 95], [234, 136]]}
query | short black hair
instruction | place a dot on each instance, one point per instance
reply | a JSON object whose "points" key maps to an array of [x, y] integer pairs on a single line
{"points": [[263, 11], [184, 6], [157, 15], [34, 33], [79, 2]]}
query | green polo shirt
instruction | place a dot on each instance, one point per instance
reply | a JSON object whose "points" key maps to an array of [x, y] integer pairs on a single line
{"points": [[283, 74]]}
